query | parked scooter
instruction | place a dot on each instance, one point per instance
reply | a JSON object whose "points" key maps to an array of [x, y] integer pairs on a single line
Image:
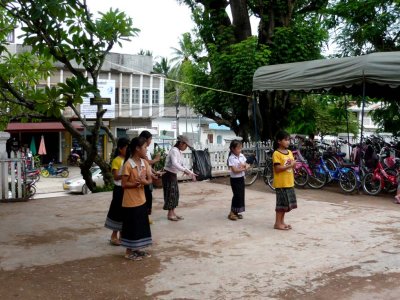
{"points": [[74, 158], [32, 174], [58, 171]]}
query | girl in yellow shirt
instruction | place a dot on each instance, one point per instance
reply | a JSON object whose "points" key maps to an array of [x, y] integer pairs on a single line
{"points": [[284, 163]]}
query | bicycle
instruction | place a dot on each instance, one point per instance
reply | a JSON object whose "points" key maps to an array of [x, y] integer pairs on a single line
{"points": [[346, 177], [252, 171], [30, 188], [381, 178]]}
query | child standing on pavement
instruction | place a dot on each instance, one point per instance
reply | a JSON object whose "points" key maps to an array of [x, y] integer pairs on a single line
{"points": [[136, 173], [114, 216], [237, 167], [284, 163]]}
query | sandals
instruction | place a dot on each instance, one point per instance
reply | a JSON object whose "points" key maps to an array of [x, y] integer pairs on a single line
{"points": [[232, 216], [176, 218], [141, 253], [133, 256]]}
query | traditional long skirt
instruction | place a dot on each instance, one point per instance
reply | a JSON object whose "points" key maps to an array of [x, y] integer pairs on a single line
{"points": [[114, 215], [237, 185], [171, 190], [136, 233], [285, 199]]}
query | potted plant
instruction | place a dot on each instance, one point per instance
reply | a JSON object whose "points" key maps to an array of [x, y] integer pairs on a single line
{"points": [[159, 166]]}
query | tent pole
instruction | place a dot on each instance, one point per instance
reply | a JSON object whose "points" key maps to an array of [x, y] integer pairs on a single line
{"points": [[255, 125], [347, 124], [362, 116]]}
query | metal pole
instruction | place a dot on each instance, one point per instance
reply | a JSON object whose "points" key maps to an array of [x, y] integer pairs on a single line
{"points": [[177, 112]]}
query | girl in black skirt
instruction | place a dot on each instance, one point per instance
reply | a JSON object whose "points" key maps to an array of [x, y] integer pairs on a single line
{"points": [[237, 167], [114, 216], [136, 174]]}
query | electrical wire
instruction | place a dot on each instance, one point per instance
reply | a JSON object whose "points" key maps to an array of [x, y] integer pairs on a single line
{"points": [[177, 81]]}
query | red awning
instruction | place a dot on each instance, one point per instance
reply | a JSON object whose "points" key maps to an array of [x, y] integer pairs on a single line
{"points": [[39, 127]]}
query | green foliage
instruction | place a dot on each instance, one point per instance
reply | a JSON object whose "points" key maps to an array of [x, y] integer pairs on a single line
{"points": [[387, 117], [364, 26], [323, 114], [62, 31], [159, 166], [300, 42]]}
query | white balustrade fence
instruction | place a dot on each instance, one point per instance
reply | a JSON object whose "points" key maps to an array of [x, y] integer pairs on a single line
{"points": [[11, 182]]}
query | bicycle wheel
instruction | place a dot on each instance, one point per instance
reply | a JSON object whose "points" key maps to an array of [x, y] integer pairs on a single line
{"points": [[389, 186], [268, 175], [348, 180], [317, 179], [45, 173], [300, 176], [331, 164], [371, 185], [30, 191], [65, 173]]}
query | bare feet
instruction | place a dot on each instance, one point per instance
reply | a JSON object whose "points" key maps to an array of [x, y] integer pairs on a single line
{"points": [[281, 227], [288, 226]]}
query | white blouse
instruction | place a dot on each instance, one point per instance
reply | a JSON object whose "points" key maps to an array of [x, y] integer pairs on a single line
{"points": [[174, 161]]}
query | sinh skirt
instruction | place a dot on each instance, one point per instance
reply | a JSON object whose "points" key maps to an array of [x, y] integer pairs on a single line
{"points": [[285, 199], [135, 232], [171, 190], [114, 216]]}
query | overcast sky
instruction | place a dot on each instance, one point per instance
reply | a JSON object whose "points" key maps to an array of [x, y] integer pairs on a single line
{"points": [[161, 23]]}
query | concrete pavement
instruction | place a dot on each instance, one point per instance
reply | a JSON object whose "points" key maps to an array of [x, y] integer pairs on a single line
{"points": [[206, 256]]}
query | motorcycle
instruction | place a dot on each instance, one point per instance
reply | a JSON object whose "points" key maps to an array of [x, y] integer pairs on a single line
{"points": [[54, 171], [74, 158], [32, 174]]}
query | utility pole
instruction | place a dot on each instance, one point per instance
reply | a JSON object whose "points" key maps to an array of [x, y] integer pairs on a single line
{"points": [[177, 112]]}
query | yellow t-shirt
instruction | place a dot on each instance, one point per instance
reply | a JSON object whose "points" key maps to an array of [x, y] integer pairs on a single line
{"points": [[133, 197], [116, 164], [283, 179]]}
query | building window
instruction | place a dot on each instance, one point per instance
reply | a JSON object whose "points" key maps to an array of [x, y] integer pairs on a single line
{"points": [[125, 96], [11, 37], [146, 96], [156, 96], [219, 139], [135, 96], [116, 95], [210, 138]]}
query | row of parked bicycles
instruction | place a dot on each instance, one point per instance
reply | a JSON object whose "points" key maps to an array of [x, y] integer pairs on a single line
{"points": [[374, 165]]}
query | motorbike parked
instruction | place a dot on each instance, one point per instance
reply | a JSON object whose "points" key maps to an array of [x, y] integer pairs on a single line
{"points": [[33, 174], [54, 171], [74, 158]]}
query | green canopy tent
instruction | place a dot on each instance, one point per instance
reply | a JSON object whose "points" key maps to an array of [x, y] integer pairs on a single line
{"points": [[373, 75]]}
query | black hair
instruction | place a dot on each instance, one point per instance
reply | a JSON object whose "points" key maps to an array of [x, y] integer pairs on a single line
{"points": [[121, 143], [232, 146], [146, 134], [138, 141], [280, 135]]}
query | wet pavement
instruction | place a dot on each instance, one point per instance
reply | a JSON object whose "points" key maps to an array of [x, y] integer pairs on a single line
{"points": [[342, 250]]}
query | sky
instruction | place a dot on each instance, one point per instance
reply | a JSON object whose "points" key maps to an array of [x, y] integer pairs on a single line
{"points": [[161, 24]]}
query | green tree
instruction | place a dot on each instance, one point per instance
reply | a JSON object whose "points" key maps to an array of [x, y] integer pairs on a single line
{"points": [[164, 67], [288, 31], [387, 117], [364, 26], [63, 31], [322, 114]]}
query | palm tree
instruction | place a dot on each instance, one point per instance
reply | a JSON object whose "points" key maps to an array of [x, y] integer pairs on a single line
{"points": [[162, 67]]}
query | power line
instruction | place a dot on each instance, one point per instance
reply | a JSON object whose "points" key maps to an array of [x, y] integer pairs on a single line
{"points": [[177, 81]]}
